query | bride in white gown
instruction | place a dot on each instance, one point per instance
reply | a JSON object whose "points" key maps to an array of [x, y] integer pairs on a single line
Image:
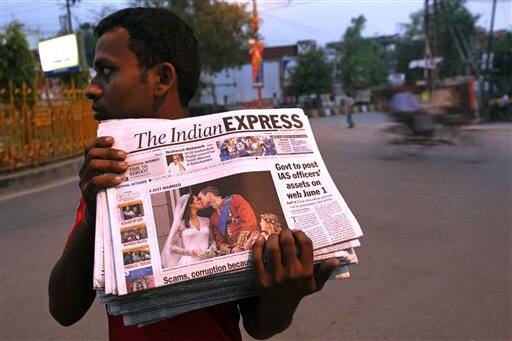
{"points": [[190, 239]]}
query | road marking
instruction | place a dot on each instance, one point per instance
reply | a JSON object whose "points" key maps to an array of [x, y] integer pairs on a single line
{"points": [[65, 181]]}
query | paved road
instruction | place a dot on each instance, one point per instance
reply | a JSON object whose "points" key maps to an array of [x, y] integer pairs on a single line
{"points": [[435, 261]]}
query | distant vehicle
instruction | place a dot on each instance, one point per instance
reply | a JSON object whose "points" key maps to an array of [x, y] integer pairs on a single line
{"points": [[438, 119]]}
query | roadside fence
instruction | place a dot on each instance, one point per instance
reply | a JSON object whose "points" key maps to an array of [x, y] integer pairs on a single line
{"points": [[38, 127]]}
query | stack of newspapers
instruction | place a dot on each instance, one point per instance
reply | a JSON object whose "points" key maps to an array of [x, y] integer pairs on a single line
{"points": [[176, 234]]}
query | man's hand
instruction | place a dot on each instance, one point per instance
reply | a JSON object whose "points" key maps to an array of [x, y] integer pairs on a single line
{"points": [[288, 277], [100, 159], [290, 274]]}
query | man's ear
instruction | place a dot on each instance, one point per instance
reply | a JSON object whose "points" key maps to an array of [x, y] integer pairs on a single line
{"points": [[166, 79]]}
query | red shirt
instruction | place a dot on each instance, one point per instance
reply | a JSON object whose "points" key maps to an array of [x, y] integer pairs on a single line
{"points": [[219, 322]]}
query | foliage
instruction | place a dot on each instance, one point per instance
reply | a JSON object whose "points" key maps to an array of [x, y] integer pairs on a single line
{"points": [[452, 37], [86, 31], [455, 19], [411, 47], [501, 74], [221, 29], [17, 63], [312, 75], [360, 58], [89, 40]]}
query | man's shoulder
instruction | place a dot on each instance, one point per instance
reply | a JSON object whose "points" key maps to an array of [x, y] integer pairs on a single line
{"points": [[235, 197]]}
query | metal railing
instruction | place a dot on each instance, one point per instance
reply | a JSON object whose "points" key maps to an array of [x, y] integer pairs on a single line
{"points": [[39, 127]]}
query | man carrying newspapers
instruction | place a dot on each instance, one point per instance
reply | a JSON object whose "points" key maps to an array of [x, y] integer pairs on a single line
{"points": [[147, 66]]}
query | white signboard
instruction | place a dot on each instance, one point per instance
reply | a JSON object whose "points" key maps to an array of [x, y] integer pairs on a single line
{"points": [[59, 55]]}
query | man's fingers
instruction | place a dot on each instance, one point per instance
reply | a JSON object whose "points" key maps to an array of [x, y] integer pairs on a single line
{"points": [[305, 246], [97, 142], [100, 149], [97, 166], [258, 264], [100, 182], [288, 250], [101, 154], [103, 141], [273, 251], [324, 271], [106, 153]]}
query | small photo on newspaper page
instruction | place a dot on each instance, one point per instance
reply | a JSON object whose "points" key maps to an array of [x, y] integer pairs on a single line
{"points": [[137, 255], [133, 233], [215, 218], [246, 146], [175, 163], [130, 210], [140, 279]]}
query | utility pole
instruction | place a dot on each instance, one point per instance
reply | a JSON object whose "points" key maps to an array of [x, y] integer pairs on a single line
{"points": [[489, 46], [68, 10], [486, 79], [428, 51], [436, 40], [256, 53]]}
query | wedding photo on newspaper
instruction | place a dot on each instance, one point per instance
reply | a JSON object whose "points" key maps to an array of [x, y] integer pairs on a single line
{"points": [[199, 191]]}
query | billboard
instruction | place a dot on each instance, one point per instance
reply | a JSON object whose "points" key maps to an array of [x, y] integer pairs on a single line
{"points": [[59, 55]]}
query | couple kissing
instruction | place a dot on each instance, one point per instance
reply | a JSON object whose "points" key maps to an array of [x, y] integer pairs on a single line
{"points": [[231, 228]]}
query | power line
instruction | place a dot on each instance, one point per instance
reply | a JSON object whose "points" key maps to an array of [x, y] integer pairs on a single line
{"points": [[297, 25], [289, 4]]}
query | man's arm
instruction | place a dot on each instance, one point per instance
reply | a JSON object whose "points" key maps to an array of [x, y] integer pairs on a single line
{"points": [[70, 285], [281, 285]]}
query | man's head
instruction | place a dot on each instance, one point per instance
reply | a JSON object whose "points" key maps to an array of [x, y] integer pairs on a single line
{"points": [[147, 63], [208, 195]]}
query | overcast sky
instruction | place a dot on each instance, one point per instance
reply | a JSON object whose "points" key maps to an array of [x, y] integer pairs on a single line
{"points": [[284, 22]]}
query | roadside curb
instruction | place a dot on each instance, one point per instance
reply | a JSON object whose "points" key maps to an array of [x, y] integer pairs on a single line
{"points": [[492, 126], [28, 178]]}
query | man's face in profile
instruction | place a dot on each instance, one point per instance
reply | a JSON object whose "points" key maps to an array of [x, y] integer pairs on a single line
{"points": [[120, 88]]}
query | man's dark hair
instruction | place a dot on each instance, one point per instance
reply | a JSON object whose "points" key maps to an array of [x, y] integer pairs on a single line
{"points": [[158, 35], [210, 189]]}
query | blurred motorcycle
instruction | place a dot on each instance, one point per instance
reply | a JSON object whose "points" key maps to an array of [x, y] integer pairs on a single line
{"points": [[416, 126]]}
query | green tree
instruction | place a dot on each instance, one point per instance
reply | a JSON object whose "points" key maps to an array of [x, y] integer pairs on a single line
{"points": [[411, 46], [17, 62], [221, 29], [360, 58], [86, 31], [501, 74], [456, 37], [312, 75], [452, 37]]}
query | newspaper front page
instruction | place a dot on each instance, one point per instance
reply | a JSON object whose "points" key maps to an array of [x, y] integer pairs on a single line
{"points": [[199, 191]]}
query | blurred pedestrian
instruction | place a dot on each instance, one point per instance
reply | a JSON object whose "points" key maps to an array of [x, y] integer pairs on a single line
{"points": [[348, 103]]}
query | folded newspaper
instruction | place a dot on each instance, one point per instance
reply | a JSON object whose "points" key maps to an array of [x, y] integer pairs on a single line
{"points": [[176, 234]]}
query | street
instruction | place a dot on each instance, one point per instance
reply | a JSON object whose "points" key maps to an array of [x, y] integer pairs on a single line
{"points": [[435, 260]]}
